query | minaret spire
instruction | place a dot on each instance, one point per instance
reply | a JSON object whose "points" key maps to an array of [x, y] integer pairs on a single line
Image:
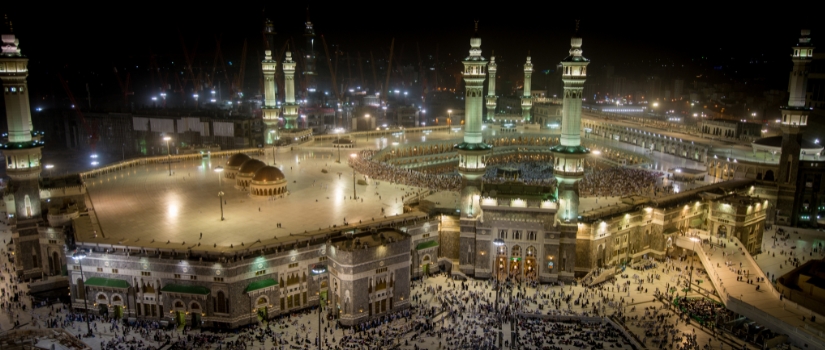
{"points": [[527, 96], [473, 152], [290, 108], [22, 150], [793, 124], [491, 88], [270, 111]]}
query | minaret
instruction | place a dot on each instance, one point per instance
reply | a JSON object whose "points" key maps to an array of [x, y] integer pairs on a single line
{"points": [[793, 123], [491, 89], [569, 156], [473, 151], [527, 98], [309, 70], [23, 166], [270, 109], [22, 151], [290, 107]]}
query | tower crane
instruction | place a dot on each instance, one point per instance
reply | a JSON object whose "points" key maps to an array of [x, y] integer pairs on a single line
{"points": [[124, 87], [91, 131]]}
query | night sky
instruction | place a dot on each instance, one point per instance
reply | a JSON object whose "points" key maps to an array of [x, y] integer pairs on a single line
{"points": [[85, 43]]}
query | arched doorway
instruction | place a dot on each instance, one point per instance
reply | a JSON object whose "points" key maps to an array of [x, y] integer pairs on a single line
{"points": [[180, 313], [425, 265], [117, 306], [501, 262], [195, 310], [515, 263], [722, 232], [261, 308], [530, 267]]}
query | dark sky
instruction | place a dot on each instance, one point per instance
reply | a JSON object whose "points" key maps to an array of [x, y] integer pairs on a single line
{"points": [[67, 35]]}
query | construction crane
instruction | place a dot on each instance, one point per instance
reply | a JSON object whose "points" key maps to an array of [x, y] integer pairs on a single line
{"points": [[375, 85], [333, 72], [91, 131], [389, 70], [361, 70], [189, 59], [422, 75], [124, 88], [242, 71]]}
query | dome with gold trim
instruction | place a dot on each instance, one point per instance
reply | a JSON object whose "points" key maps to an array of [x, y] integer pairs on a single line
{"points": [[268, 174], [249, 167], [237, 160], [268, 181], [246, 172]]}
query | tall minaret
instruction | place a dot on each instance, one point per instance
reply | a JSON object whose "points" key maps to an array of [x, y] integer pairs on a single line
{"points": [[473, 151], [491, 89], [569, 156], [793, 123], [290, 107], [527, 98], [270, 109], [309, 69], [22, 151]]}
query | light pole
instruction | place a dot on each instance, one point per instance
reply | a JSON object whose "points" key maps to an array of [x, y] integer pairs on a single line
{"points": [[219, 170], [49, 167], [367, 121], [196, 101], [498, 242], [690, 278], [79, 256], [168, 154], [318, 270], [354, 195], [338, 144], [449, 121], [272, 137], [220, 199]]}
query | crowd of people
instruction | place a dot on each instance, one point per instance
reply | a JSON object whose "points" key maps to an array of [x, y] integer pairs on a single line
{"points": [[618, 181], [385, 172], [529, 169]]}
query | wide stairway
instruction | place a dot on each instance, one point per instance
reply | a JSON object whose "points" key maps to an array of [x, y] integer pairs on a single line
{"points": [[764, 305]]}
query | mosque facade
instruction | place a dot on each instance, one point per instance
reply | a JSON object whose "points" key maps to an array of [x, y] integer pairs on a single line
{"points": [[358, 272]]}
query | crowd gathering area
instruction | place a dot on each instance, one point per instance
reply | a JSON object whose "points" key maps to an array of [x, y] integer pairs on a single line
{"points": [[601, 179], [446, 313]]}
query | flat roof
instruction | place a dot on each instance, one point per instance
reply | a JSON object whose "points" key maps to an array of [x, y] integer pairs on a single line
{"points": [[145, 207]]}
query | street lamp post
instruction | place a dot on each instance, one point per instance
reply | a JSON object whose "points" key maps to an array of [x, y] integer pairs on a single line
{"points": [[690, 278], [220, 199], [318, 270], [449, 121], [79, 256], [338, 144], [354, 195], [168, 154], [219, 170], [498, 242], [367, 121]]}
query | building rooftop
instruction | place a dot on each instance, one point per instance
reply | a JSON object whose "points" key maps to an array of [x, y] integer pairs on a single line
{"points": [[145, 207]]}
